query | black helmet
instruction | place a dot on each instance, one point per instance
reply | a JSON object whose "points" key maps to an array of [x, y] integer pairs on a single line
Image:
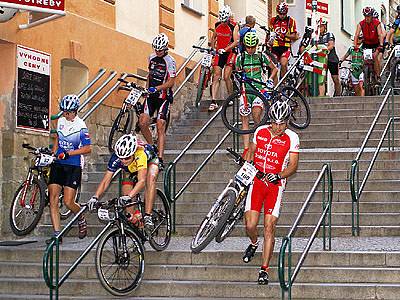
{"points": [[398, 9]]}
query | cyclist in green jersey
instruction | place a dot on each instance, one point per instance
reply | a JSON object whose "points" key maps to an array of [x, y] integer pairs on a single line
{"points": [[357, 66], [253, 64]]}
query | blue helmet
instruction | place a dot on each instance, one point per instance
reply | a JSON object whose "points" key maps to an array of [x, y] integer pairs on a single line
{"points": [[69, 103]]}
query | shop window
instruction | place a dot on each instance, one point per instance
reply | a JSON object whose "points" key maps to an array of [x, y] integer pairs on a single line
{"points": [[193, 5]]}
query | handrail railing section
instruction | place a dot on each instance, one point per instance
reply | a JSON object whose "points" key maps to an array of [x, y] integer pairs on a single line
{"points": [[325, 180], [356, 188]]}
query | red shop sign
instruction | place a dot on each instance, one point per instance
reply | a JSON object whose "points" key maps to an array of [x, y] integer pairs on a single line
{"points": [[321, 7], [46, 6]]}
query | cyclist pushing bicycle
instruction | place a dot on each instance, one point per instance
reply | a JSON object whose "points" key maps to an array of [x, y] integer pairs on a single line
{"points": [[254, 65], [275, 151], [139, 163]]}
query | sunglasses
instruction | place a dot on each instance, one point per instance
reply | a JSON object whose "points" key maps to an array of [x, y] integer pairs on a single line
{"points": [[126, 158]]}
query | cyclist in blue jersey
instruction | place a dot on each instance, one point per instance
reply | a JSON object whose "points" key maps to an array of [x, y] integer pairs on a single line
{"points": [[72, 142], [139, 164], [394, 33], [248, 26], [161, 79]]}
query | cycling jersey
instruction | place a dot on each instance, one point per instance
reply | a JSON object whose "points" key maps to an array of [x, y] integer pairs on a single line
{"points": [[272, 152], [160, 70], [325, 39], [224, 32], [72, 135], [282, 27], [396, 34], [370, 31], [357, 61], [142, 156]]}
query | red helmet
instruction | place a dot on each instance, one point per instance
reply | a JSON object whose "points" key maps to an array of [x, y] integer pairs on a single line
{"points": [[368, 11], [282, 8]]}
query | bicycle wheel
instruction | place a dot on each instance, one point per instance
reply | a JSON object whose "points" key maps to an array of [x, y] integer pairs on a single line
{"points": [[367, 81], [122, 125], [201, 85], [26, 213], [236, 215], [161, 235], [65, 212], [119, 268], [213, 222], [230, 113], [300, 117], [395, 75]]}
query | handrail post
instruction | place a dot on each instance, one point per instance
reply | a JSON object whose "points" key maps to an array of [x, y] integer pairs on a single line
{"points": [[173, 198], [57, 265], [323, 208], [392, 117], [330, 194], [290, 269], [358, 198]]}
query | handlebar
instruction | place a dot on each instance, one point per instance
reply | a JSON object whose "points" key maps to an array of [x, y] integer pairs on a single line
{"points": [[136, 76], [129, 85], [37, 150], [208, 50], [240, 161]]}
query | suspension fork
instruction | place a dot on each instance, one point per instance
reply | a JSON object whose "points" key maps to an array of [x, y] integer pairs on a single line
{"points": [[28, 181]]}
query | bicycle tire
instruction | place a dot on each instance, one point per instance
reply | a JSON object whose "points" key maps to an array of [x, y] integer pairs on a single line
{"points": [[35, 210], [236, 215], [122, 124], [65, 212], [210, 226], [296, 100], [201, 85], [235, 98], [112, 238], [395, 75], [161, 218], [367, 81]]}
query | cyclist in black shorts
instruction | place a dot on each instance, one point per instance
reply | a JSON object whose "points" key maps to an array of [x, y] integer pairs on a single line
{"points": [[161, 79]]}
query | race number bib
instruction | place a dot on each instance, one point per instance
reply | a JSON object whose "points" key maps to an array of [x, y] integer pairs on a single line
{"points": [[246, 174], [133, 96], [206, 60], [44, 160], [344, 74], [104, 214], [397, 51], [367, 54]]}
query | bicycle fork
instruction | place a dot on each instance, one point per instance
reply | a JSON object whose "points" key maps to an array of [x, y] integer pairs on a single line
{"points": [[28, 182], [216, 204]]}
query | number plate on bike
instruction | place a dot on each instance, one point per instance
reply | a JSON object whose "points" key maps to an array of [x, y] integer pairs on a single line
{"points": [[44, 160], [367, 54], [206, 60], [246, 174], [397, 51], [104, 214], [133, 96]]}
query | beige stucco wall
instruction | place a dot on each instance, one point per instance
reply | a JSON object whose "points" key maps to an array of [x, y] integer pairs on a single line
{"points": [[138, 18], [189, 27]]}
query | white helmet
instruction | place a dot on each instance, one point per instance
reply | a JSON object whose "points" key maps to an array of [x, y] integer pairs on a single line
{"points": [[69, 103], [160, 42], [126, 146], [279, 112], [7, 13], [224, 13]]}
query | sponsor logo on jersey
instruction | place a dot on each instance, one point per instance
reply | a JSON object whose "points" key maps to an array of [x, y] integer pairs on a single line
{"points": [[279, 142]]}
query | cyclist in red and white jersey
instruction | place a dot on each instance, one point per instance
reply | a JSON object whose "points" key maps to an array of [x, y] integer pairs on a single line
{"points": [[275, 151], [224, 39], [286, 32], [373, 37]]}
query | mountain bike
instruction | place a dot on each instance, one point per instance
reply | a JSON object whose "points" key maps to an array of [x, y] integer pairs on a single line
{"points": [[119, 256], [123, 123], [300, 116], [395, 70], [32, 196], [229, 206], [345, 79], [205, 72], [371, 85]]}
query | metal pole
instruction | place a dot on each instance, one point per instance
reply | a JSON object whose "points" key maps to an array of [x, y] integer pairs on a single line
{"points": [[98, 103], [199, 44], [186, 79]]}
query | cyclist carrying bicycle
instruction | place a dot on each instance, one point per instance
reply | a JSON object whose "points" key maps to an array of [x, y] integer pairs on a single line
{"points": [[357, 66], [224, 40], [254, 65], [373, 37], [139, 164], [161, 79], [72, 142], [285, 28], [275, 151]]}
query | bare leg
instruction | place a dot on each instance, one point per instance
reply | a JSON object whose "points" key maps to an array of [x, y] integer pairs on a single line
{"points": [[228, 80], [126, 189], [151, 185], [245, 126], [251, 222], [269, 238], [54, 193], [144, 123], [284, 63], [217, 72], [336, 82], [161, 126], [69, 199]]}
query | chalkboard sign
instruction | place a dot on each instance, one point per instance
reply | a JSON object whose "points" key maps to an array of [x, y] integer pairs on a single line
{"points": [[33, 89]]}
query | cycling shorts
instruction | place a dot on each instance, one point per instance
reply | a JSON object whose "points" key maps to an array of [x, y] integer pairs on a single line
{"points": [[281, 51], [225, 59], [129, 178], [268, 194], [65, 175], [251, 102], [154, 104], [333, 68], [370, 46], [355, 80]]}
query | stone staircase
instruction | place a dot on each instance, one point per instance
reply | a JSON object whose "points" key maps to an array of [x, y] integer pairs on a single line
{"points": [[366, 267]]}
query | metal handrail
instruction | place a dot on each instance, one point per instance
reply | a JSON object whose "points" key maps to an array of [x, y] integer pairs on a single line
{"points": [[187, 78], [201, 41], [83, 91], [324, 175], [354, 180], [48, 256], [383, 70]]}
